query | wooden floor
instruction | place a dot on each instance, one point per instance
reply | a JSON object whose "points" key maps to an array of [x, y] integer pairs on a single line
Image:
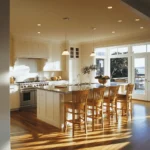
{"points": [[28, 133]]}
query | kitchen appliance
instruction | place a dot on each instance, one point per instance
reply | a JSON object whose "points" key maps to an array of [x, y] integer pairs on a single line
{"points": [[28, 93]]}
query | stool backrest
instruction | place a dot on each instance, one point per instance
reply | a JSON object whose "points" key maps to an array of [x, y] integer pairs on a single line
{"points": [[113, 93], [80, 96], [129, 91], [98, 95]]}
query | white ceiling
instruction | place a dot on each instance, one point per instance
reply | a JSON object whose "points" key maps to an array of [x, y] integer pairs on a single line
{"points": [[83, 14]]}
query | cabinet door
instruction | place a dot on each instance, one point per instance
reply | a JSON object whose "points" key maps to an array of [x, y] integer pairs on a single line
{"points": [[14, 100], [41, 104], [49, 105], [38, 103], [56, 57], [43, 50], [56, 108]]}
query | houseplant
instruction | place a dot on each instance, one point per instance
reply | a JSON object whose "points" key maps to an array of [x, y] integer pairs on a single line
{"points": [[102, 79], [88, 69]]}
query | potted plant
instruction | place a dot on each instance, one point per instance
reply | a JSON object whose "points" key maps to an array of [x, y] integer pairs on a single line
{"points": [[102, 79], [87, 70]]}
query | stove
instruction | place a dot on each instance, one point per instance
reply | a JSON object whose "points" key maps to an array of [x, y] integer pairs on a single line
{"points": [[28, 93], [31, 85]]}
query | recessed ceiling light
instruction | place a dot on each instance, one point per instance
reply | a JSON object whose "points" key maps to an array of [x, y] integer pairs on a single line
{"points": [[38, 24], [119, 21], [39, 32], [137, 19], [109, 7], [113, 32], [141, 27]]}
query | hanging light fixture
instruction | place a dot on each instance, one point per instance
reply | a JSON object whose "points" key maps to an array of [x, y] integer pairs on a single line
{"points": [[65, 52], [93, 53]]}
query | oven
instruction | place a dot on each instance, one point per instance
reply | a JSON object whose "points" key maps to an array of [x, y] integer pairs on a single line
{"points": [[28, 97]]}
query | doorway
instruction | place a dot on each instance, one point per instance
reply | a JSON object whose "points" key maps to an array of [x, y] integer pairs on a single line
{"points": [[141, 76]]}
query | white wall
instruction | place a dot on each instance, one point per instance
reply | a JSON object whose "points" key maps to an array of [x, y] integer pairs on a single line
{"points": [[4, 77], [87, 60]]}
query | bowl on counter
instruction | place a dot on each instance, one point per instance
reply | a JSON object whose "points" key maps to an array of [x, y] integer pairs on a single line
{"points": [[53, 78]]}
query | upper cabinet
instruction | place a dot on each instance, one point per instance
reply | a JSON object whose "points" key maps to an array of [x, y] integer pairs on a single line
{"points": [[30, 49], [54, 62], [34, 49]]}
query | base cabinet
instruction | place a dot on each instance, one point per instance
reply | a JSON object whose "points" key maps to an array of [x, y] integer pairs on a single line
{"points": [[14, 97], [48, 107]]}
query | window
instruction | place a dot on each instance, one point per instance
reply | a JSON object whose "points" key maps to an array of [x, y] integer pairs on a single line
{"points": [[113, 51], [122, 50], [119, 51], [71, 52], [100, 66], [119, 67], [139, 49], [100, 51], [148, 48], [77, 52]]}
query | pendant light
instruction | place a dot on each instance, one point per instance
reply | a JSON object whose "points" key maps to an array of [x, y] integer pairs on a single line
{"points": [[93, 53], [65, 52]]}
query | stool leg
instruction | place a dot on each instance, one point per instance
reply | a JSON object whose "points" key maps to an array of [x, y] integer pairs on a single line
{"points": [[73, 120], [85, 119], [131, 109], [93, 118], [108, 113], [65, 122], [116, 112]]}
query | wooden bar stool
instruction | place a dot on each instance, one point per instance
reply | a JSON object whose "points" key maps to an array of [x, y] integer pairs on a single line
{"points": [[126, 100], [110, 102], [95, 106], [77, 107]]}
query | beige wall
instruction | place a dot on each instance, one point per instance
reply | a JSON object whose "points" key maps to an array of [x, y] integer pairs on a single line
{"points": [[4, 77]]}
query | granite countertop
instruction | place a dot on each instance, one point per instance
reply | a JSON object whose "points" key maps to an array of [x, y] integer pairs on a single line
{"points": [[70, 88]]}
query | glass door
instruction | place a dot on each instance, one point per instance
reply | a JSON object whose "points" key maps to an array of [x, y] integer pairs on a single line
{"points": [[140, 74], [148, 77]]}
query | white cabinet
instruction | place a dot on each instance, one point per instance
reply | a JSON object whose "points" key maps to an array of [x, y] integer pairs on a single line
{"points": [[14, 97], [30, 49], [41, 104], [48, 107], [54, 62]]}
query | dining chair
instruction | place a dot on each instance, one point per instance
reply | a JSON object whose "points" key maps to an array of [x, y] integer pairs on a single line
{"points": [[77, 107], [95, 106]]}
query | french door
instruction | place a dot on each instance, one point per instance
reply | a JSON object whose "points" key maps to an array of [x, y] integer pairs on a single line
{"points": [[141, 76]]}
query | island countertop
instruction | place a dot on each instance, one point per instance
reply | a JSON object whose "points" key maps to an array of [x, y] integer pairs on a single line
{"points": [[68, 89]]}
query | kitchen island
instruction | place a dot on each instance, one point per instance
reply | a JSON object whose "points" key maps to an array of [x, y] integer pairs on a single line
{"points": [[50, 102]]}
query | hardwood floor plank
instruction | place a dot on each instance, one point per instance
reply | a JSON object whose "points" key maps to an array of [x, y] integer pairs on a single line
{"points": [[29, 133]]}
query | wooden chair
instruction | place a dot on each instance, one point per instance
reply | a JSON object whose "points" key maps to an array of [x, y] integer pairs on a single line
{"points": [[126, 100], [95, 106], [77, 107], [110, 102]]}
